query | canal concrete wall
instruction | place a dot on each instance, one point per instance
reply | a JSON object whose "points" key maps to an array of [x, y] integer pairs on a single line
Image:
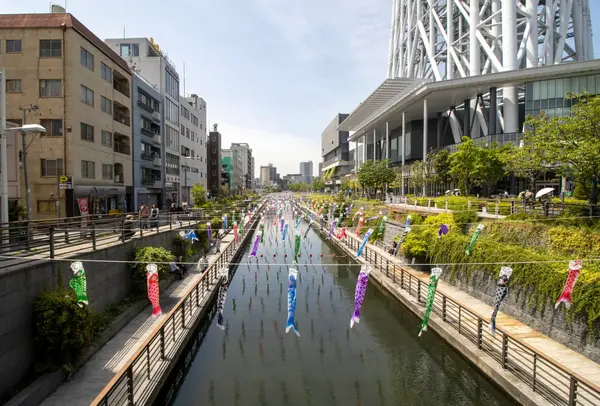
{"points": [[572, 333], [107, 283]]}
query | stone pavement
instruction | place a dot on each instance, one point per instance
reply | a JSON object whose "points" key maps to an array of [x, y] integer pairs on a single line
{"points": [[91, 379]]}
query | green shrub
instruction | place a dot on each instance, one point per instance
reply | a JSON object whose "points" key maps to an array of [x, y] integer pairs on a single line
{"points": [[465, 219], [62, 330], [144, 255], [579, 193], [182, 247], [216, 224]]}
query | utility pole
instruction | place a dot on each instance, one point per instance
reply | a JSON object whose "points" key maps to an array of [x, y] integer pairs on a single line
{"points": [[3, 158], [26, 110]]}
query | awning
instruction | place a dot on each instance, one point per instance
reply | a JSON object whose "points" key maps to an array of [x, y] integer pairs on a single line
{"points": [[388, 91]]}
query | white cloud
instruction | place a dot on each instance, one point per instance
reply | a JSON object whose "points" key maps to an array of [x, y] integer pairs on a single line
{"points": [[284, 151]]}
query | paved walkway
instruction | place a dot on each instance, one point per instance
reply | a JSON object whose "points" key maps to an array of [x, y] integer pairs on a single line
{"points": [[402, 207], [91, 379]]}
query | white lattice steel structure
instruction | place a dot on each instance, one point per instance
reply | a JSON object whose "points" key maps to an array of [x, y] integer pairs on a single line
{"points": [[449, 39]]}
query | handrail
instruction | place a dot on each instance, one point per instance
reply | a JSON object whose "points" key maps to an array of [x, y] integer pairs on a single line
{"points": [[128, 372], [504, 347]]}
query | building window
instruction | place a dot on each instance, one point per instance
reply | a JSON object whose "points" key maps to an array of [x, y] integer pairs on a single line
{"points": [[172, 85], [87, 96], [53, 127], [107, 138], [172, 164], [182, 129], [13, 86], [172, 112], [50, 88], [187, 133], [148, 101], [88, 170], [192, 155], [195, 120], [105, 72], [185, 112], [130, 49], [106, 105], [87, 132], [192, 136], [107, 172], [13, 46], [86, 58], [52, 167], [146, 124], [172, 138], [50, 48]]}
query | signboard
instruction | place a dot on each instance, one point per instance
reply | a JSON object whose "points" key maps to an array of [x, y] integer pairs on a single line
{"points": [[65, 182]]}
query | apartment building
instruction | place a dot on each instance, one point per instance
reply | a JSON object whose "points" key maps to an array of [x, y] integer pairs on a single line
{"points": [[193, 148], [233, 165], [82, 89], [147, 149], [268, 175], [306, 170], [144, 56]]}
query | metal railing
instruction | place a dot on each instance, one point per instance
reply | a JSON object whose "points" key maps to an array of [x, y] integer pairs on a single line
{"points": [[43, 238], [141, 377], [499, 206], [555, 382]]}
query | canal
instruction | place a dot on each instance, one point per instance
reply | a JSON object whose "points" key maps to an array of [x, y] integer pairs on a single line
{"points": [[380, 361]]}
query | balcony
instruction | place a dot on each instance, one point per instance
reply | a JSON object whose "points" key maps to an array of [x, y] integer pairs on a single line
{"points": [[157, 140], [147, 157], [121, 144], [488, 140], [120, 83], [119, 174], [121, 114]]}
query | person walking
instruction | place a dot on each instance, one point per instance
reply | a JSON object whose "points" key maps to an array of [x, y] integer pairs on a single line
{"points": [[154, 217], [144, 213]]}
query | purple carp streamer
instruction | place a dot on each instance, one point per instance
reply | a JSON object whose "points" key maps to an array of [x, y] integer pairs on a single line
{"points": [[359, 293]]}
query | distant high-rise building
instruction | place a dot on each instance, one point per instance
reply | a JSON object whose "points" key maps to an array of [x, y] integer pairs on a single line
{"points": [[335, 153], [268, 175], [306, 170]]}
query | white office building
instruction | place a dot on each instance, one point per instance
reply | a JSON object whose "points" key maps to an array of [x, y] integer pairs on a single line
{"points": [[193, 144], [245, 152]]}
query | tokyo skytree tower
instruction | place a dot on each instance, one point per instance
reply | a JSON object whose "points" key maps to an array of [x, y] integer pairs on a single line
{"points": [[450, 39]]}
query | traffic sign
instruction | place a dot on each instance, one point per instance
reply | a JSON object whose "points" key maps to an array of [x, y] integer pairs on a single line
{"points": [[65, 182]]}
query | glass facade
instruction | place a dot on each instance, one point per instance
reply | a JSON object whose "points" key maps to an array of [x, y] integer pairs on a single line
{"points": [[550, 96]]}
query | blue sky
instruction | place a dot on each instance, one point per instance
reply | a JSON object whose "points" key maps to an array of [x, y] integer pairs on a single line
{"points": [[273, 72]]}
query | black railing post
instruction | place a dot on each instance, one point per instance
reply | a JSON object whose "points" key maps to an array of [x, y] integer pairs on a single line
{"points": [[93, 236], [183, 314], [479, 332], [130, 385], [51, 242], [148, 360], [504, 350], [573, 392], [444, 308], [162, 342], [418, 290], [534, 378], [170, 221]]}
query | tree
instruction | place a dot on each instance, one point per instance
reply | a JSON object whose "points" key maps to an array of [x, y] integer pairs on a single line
{"points": [[367, 176], [441, 165], [198, 195], [490, 166], [526, 161], [318, 185], [384, 175], [417, 174], [571, 143], [463, 164]]}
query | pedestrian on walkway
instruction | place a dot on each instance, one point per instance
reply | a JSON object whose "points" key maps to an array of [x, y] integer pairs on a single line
{"points": [[174, 268], [218, 244], [154, 217], [144, 213]]}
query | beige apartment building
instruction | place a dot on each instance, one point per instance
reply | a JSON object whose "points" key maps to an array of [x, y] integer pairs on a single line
{"points": [[83, 92]]}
